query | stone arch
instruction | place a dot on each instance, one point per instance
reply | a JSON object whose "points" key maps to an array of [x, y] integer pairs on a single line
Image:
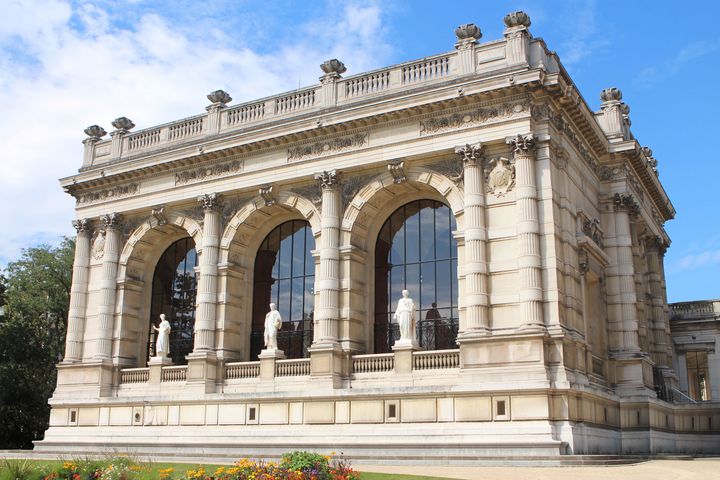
{"points": [[362, 220], [239, 243], [136, 267]]}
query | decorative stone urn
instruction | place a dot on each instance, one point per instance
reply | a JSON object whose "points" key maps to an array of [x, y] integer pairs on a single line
{"points": [[219, 97], [517, 19], [95, 132], [468, 31], [612, 94], [333, 67], [123, 124]]}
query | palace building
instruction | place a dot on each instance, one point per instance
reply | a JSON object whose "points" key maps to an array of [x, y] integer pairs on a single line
{"points": [[526, 226]]}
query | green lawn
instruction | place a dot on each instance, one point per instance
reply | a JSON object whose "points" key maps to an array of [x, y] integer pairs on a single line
{"points": [[150, 471]]}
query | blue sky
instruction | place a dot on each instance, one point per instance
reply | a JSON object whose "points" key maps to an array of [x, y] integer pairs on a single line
{"points": [[68, 64]]}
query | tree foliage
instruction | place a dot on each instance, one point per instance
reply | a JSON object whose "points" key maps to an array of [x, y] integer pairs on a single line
{"points": [[32, 338]]}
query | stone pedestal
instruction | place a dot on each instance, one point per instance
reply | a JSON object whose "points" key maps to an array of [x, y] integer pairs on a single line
{"points": [[85, 380], [201, 371], [404, 356], [633, 375], [155, 365], [268, 357], [326, 364]]}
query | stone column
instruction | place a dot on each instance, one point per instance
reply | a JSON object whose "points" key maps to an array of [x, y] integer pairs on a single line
{"points": [[654, 249], [517, 38], [475, 266], [95, 134], [332, 70], [529, 261], [122, 125], [108, 285], [467, 37], [219, 99], [78, 293], [325, 353], [207, 285]]}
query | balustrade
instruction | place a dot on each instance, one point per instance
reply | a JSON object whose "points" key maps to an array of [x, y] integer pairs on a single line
{"points": [[426, 70], [134, 375], [295, 101], [382, 362], [292, 368], [141, 140], [355, 87], [187, 128], [246, 113], [174, 374], [436, 359], [239, 370]]}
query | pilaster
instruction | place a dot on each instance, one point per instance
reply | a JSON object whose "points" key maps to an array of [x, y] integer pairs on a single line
{"points": [[332, 73], [78, 293], [517, 38], [122, 125], [467, 37], [219, 99], [529, 261], [95, 134]]}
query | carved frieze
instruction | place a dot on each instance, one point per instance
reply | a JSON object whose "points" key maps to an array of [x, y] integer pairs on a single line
{"points": [[327, 147], [209, 172], [107, 194], [479, 116], [500, 177]]}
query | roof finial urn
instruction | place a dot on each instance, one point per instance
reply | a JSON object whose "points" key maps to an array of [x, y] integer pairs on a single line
{"points": [[95, 132], [468, 32], [333, 67], [123, 124], [220, 97], [517, 19], [612, 94]]}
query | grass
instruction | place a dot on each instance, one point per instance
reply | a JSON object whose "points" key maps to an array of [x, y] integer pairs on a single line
{"points": [[12, 469]]}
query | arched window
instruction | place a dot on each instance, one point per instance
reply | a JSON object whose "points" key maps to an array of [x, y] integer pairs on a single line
{"points": [[173, 293], [285, 275], [416, 251]]}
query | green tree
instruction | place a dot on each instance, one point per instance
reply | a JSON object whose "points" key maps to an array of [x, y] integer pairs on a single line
{"points": [[32, 338]]}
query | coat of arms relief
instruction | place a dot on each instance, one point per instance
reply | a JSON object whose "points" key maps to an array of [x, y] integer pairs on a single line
{"points": [[500, 177]]}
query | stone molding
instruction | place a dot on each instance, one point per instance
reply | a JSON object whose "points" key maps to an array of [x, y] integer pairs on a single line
{"points": [[209, 172], [476, 117], [327, 147], [108, 194]]}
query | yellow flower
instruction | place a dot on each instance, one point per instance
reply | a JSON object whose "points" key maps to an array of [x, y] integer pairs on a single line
{"points": [[219, 471]]}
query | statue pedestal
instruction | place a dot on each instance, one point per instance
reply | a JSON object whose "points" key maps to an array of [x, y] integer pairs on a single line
{"points": [[403, 350], [267, 359], [157, 360], [155, 365]]}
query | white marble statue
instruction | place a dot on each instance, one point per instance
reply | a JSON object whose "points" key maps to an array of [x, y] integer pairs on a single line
{"points": [[162, 343], [405, 316], [273, 321]]}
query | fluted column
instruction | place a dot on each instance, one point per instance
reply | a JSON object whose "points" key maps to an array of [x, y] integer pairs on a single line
{"points": [[78, 293], [207, 285], [328, 282], [654, 248], [108, 285], [475, 265], [529, 262]]}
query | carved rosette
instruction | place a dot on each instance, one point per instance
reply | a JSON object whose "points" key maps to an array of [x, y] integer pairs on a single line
{"points": [[522, 144], [470, 154], [328, 180], [209, 201], [397, 170], [267, 196], [94, 133], [517, 19], [219, 97], [82, 225], [122, 125], [111, 220]]}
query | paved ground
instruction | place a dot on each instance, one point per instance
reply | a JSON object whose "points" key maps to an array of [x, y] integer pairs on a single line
{"points": [[704, 468]]}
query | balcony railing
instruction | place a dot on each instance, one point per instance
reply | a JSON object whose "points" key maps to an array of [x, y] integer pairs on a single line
{"points": [[437, 359], [134, 375], [381, 362], [240, 370], [292, 368], [174, 374]]}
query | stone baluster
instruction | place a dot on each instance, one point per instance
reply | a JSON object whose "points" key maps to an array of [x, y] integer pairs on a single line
{"points": [[78, 293], [475, 265], [467, 37], [529, 263], [332, 73], [122, 125], [517, 38], [219, 99], [94, 135], [108, 285], [328, 281], [655, 248], [207, 285]]}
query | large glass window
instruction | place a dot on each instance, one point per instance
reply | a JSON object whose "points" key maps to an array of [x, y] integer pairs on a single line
{"points": [[173, 293], [416, 251], [285, 275], [698, 378]]}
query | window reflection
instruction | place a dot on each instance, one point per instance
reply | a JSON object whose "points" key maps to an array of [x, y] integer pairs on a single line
{"points": [[173, 293], [415, 250], [285, 275]]}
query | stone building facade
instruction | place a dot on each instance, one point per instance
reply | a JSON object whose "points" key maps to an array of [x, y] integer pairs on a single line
{"points": [[527, 227]]}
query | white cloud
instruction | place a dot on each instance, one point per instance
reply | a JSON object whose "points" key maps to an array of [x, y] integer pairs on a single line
{"points": [[649, 76], [65, 66], [583, 39], [693, 261]]}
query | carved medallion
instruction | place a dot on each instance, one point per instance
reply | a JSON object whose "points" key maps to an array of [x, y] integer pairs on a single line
{"points": [[501, 179]]}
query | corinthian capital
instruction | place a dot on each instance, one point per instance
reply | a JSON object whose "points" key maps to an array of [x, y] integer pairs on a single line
{"points": [[522, 144], [209, 201], [82, 225], [625, 202], [470, 154], [111, 220], [328, 180]]}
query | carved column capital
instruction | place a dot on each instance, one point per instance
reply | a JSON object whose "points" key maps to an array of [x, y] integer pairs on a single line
{"points": [[82, 225], [522, 144], [625, 202], [397, 170], [470, 154], [111, 220], [209, 201], [266, 194], [328, 180]]}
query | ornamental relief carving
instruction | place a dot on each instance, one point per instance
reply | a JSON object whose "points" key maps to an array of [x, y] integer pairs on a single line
{"points": [[500, 177], [209, 172], [590, 227], [98, 245], [327, 147], [97, 196], [451, 167], [480, 116]]}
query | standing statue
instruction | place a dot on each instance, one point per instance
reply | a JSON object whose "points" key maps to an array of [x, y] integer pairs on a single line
{"points": [[162, 343], [273, 321], [405, 316]]}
